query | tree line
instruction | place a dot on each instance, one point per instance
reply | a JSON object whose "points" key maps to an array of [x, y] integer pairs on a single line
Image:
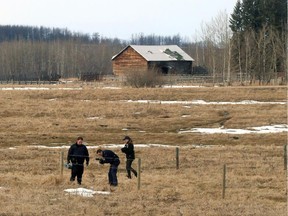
{"points": [[259, 41], [248, 45]]}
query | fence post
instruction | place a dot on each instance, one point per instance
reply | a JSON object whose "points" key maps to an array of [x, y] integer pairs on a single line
{"points": [[61, 162], [224, 181], [139, 173], [285, 157], [177, 157]]}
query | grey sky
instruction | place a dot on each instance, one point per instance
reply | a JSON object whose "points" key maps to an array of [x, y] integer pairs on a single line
{"points": [[115, 18]]}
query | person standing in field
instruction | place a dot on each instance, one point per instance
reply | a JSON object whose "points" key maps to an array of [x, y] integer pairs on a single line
{"points": [[108, 156], [77, 154], [128, 149]]}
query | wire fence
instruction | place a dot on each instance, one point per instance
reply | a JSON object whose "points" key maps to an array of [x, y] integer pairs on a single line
{"points": [[226, 168]]}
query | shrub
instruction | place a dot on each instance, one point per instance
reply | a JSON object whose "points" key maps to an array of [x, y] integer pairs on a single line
{"points": [[144, 78]]}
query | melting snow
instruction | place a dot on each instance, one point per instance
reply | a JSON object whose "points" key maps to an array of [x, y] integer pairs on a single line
{"points": [[202, 102], [252, 130], [36, 88], [85, 192]]}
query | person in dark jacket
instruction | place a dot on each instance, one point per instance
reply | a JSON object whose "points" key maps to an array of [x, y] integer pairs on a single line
{"points": [[128, 149], [77, 154], [108, 156]]}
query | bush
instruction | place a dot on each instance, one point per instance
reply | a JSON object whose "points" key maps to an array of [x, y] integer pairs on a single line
{"points": [[147, 78]]}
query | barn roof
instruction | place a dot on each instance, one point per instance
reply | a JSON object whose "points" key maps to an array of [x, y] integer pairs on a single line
{"points": [[159, 53]]}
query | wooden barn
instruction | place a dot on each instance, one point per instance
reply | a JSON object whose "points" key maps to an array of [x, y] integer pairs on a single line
{"points": [[166, 59]]}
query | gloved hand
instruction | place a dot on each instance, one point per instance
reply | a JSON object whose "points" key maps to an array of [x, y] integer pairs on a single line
{"points": [[101, 161]]}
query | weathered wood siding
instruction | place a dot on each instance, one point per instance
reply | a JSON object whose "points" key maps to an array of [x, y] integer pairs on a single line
{"points": [[128, 61]]}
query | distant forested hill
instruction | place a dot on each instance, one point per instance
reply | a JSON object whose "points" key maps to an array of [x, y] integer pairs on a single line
{"points": [[17, 32]]}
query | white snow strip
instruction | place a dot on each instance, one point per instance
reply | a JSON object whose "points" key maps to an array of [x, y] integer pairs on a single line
{"points": [[112, 88], [202, 102], [252, 130], [103, 146], [35, 88], [85, 192], [181, 86], [23, 88], [93, 118], [48, 147]]}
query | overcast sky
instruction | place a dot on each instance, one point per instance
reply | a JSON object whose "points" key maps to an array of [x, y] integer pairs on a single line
{"points": [[116, 18]]}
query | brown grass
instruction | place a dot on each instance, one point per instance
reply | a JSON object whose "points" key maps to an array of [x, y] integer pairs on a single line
{"points": [[30, 178]]}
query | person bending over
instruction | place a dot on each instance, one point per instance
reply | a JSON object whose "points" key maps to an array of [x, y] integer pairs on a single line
{"points": [[108, 156]]}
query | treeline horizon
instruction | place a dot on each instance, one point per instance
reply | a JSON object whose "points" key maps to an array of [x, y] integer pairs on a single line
{"points": [[46, 34], [248, 46]]}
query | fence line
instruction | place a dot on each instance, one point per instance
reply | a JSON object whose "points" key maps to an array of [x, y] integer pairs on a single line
{"points": [[224, 175]]}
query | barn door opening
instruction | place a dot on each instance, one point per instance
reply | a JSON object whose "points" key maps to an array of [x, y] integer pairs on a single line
{"points": [[165, 69]]}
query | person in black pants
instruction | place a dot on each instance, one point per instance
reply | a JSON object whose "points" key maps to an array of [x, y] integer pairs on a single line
{"points": [[128, 149], [77, 154], [108, 156]]}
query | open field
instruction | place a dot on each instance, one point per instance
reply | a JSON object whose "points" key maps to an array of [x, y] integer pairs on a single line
{"points": [[30, 180]]}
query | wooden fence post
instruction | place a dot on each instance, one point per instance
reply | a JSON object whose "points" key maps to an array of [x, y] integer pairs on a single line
{"points": [[61, 163], [177, 157], [139, 173], [285, 157], [224, 181]]}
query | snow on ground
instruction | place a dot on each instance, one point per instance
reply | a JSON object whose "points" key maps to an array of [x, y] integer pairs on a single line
{"points": [[115, 146], [101, 146], [253, 130], [35, 88], [280, 128], [105, 87], [181, 86], [202, 102], [85, 192]]}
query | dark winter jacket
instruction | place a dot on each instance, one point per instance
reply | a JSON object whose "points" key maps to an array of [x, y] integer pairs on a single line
{"points": [[77, 154], [110, 157], [128, 149]]}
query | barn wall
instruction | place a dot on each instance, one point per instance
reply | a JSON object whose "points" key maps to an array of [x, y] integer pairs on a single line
{"points": [[172, 67], [128, 61]]}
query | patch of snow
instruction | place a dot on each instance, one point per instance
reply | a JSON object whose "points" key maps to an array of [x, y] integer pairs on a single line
{"points": [[202, 102], [49, 147], [111, 88], [93, 118], [35, 88], [23, 88], [85, 192], [181, 86], [253, 130]]}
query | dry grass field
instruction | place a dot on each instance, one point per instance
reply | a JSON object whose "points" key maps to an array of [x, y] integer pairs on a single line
{"points": [[30, 180]]}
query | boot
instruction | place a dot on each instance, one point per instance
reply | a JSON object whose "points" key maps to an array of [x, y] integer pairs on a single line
{"points": [[129, 174], [134, 172]]}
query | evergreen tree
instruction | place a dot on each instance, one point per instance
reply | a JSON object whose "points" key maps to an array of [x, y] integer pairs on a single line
{"points": [[236, 19]]}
